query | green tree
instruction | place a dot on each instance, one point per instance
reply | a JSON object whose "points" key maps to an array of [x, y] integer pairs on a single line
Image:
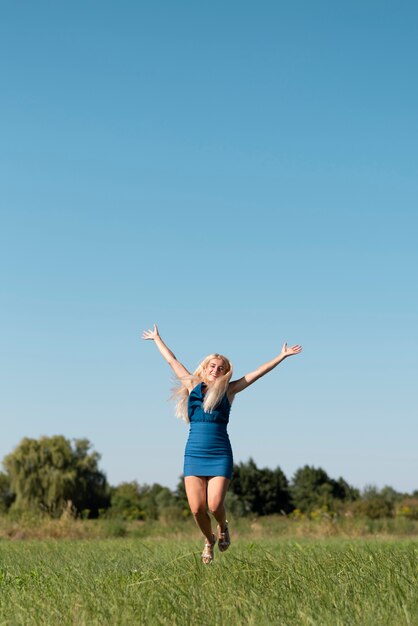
{"points": [[126, 501], [6, 495], [312, 488], [181, 497], [343, 491], [91, 489], [261, 491], [390, 495], [48, 472], [164, 498], [131, 501], [376, 504]]}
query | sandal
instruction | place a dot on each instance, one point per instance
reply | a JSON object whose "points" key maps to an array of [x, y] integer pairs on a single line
{"points": [[207, 554], [224, 540]]}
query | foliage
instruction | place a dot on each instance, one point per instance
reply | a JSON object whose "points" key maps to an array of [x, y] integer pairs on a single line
{"points": [[234, 505], [312, 488], [376, 504], [407, 507], [131, 501], [181, 497], [260, 491], [47, 473], [125, 501], [52, 474], [6, 495]]}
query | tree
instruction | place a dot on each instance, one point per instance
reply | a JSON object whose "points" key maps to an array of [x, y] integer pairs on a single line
{"points": [[180, 494], [343, 491], [48, 472], [6, 495], [91, 489], [261, 491], [312, 488], [126, 501], [131, 501], [376, 504]]}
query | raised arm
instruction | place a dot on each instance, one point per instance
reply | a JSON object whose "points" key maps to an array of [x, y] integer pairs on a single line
{"points": [[239, 385], [177, 367]]}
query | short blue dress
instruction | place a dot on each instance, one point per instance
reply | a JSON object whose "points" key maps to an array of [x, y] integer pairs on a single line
{"points": [[208, 450]]}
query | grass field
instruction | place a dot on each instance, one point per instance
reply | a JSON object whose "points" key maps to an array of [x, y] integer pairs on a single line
{"points": [[161, 581]]}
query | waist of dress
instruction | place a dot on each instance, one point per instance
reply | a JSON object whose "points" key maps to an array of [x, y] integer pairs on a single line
{"points": [[216, 425], [208, 433], [208, 439]]}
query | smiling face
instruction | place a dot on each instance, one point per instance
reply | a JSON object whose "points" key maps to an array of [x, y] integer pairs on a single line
{"points": [[214, 369]]}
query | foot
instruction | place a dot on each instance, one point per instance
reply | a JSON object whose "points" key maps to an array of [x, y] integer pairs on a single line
{"points": [[224, 540], [207, 554]]}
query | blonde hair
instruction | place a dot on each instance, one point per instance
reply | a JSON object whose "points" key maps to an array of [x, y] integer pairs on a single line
{"points": [[214, 393]]}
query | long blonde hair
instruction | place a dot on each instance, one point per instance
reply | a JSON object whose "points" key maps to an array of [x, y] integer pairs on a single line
{"points": [[214, 393]]}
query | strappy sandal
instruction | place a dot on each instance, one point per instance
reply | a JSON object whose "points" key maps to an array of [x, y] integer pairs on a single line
{"points": [[207, 554], [224, 540]]}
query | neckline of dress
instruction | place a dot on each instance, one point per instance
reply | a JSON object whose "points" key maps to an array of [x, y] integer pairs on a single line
{"points": [[199, 386]]}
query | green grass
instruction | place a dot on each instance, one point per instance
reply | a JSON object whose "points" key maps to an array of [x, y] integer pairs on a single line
{"points": [[161, 581], [31, 526]]}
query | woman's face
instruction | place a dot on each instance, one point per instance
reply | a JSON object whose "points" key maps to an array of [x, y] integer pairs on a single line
{"points": [[215, 369]]}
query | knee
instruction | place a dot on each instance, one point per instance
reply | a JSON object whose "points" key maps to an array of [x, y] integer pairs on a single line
{"points": [[198, 510], [216, 507]]}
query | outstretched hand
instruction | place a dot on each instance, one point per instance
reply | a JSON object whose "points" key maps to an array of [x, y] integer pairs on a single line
{"points": [[150, 334], [290, 351]]}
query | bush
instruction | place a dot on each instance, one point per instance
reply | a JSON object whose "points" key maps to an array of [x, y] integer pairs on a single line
{"points": [[131, 501], [375, 507], [313, 489], [408, 507]]}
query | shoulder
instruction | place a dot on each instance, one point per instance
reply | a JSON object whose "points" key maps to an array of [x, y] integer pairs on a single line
{"points": [[195, 388]]}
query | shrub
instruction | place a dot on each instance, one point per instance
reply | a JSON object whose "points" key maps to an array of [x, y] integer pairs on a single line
{"points": [[408, 507]]}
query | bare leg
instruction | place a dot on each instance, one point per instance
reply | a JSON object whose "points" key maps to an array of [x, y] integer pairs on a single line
{"points": [[196, 490], [217, 488]]}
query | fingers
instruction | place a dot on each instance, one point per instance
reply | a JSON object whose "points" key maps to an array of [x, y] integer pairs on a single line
{"points": [[291, 350], [150, 334]]}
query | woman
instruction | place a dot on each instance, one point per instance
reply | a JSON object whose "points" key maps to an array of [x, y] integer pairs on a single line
{"points": [[205, 399]]}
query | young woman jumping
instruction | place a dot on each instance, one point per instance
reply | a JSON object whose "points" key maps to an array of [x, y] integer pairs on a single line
{"points": [[204, 400]]}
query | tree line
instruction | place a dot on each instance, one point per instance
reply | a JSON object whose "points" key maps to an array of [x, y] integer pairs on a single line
{"points": [[51, 473]]}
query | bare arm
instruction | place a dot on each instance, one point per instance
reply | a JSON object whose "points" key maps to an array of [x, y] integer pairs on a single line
{"points": [[177, 367], [239, 385]]}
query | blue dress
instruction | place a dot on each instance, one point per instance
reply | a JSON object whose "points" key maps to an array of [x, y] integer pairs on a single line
{"points": [[208, 450]]}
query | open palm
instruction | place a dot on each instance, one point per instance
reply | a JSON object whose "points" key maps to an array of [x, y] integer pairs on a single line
{"points": [[150, 334], [290, 351]]}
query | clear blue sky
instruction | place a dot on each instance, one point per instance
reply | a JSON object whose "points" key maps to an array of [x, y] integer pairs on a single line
{"points": [[241, 173]]}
